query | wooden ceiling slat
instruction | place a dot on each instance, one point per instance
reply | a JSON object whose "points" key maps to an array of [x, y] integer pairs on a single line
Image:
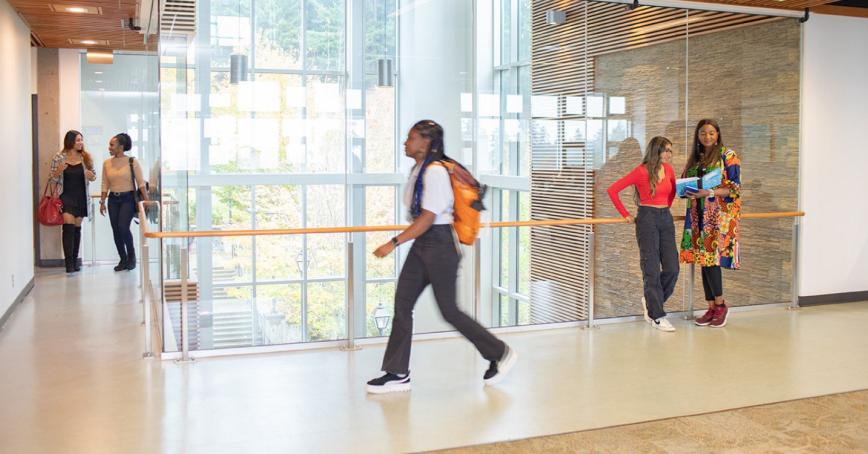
{"points": [[54, 29]]}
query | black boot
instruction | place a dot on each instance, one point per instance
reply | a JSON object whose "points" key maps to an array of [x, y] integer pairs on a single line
{"points": [[131, 259], [122, 265], [68, 241], [76, 261]]}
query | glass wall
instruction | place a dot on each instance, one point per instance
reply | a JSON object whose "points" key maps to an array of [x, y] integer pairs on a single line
{"points": [[631, 75], [276, 114], [115, 98], [292, 114]]}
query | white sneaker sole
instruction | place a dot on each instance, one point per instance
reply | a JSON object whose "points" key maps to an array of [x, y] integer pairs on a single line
{"points": [[645, 311], [503, 368], [665, 329], [386, 389]]}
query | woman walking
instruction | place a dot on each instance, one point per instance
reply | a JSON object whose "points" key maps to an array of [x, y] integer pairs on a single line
{"points": [[654, 182], [71, 171], [122, 176], [710, 237], [433, 259]]}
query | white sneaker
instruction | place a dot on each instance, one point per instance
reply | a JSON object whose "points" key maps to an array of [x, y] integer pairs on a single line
{"points": [[645, 311], [389, 383], [663, 325]]}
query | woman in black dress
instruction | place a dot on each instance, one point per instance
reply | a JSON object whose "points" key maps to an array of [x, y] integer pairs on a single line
{"points": [[71, 171]]}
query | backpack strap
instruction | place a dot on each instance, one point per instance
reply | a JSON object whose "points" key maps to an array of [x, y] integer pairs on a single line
{"points": [[136, 195]]}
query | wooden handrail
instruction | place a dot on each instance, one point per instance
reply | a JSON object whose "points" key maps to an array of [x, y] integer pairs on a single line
{"points": [[392, 228]]}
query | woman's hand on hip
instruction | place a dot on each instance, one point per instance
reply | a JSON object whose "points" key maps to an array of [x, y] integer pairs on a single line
{"points": [[89, 175]]}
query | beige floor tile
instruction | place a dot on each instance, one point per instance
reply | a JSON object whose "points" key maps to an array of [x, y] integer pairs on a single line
{"points": [[73, 382]]}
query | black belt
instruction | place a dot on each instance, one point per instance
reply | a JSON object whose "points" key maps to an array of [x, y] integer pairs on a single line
{"points": [[118, 194]]}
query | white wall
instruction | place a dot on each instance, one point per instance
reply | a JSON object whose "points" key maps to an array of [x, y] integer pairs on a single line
{"points": [[834, 242], [16, 171]]}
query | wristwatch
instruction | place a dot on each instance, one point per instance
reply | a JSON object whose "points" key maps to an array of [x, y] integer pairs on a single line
{"points": [[395, 241]]}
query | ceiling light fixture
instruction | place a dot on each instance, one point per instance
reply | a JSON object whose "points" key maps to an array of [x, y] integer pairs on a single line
{"points": [[89, 42], [81, 9], [100, 56]]}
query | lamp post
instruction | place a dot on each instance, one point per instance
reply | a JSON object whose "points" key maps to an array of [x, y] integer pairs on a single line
{"points": [[381, 318], [274, 320], [302, 262]]}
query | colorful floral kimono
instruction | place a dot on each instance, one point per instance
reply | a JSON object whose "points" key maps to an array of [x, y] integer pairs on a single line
{"points": [[711, 225]]}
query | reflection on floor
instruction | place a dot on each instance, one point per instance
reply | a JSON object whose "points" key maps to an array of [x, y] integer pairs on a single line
{"points": [[73, 380], [832, 424]]}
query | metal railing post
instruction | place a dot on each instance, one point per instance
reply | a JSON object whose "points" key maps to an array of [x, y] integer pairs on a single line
{"points": [[351, 299], [92, 235], [146, 307], [185, 323], [477, 279], [691, 275], [794, 303], [592, 270], [144, 273]]}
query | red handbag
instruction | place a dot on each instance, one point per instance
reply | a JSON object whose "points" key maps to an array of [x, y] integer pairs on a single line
{"points": [[49, 211]]}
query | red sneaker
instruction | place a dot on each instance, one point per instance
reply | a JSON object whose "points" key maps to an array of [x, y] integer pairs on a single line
{"points": [[720, 313], [706, 318]]}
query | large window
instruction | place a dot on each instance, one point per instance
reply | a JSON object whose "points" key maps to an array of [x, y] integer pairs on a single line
{"points": [[286, 146], [505, 145]]}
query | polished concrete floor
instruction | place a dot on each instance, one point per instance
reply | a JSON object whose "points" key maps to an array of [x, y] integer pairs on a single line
{"points": [[73, 380]]}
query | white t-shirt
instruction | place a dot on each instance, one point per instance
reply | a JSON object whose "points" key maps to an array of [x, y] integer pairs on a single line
{"points": [[437, 196]]}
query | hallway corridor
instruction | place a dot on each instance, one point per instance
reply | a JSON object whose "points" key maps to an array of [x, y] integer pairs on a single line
{"points": [[73, 380]]}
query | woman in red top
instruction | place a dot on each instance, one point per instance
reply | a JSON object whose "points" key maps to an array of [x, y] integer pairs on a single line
{"points": [[654, 180]]}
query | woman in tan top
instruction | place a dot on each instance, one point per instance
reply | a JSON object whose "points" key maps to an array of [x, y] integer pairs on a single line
{"points": [[121, 176]]}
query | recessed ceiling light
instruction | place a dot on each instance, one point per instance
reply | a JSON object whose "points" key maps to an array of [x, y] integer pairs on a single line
{"points": [[89, 42], [98, 81], [75, 9], [97, 72]]}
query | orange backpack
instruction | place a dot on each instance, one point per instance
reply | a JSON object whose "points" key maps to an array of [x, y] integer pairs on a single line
{"points": [[468, 194]]}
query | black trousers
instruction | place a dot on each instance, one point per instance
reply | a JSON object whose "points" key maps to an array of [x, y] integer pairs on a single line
{"points": [[712, 282], [122, 209], [433, 260], [658, 257]]}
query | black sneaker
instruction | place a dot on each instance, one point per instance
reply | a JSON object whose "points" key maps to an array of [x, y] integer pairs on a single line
{"points": [[389, 383], [498, 369]]}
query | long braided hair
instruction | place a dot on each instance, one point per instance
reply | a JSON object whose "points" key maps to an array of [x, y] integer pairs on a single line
{"points": [[433, 131]]}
